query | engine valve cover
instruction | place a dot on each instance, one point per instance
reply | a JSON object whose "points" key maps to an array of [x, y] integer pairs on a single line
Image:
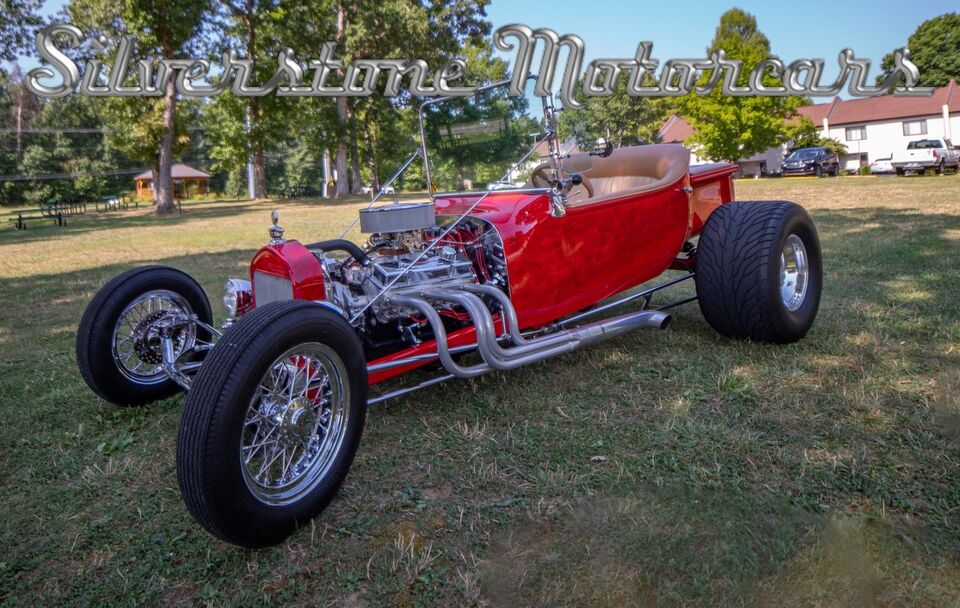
{"points": [[399, 217]]}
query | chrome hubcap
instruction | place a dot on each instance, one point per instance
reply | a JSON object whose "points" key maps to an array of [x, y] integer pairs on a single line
{"points": [[794, 273], [136, 341], [295, 424]]}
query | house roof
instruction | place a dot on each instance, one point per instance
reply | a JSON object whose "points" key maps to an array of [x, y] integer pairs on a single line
{"points": [[817, 112], [675, 130], [178, 171], [850, 111], [885, 107]]}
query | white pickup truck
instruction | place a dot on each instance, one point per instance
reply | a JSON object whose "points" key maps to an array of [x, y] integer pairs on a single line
{"points": [[923, 154]]}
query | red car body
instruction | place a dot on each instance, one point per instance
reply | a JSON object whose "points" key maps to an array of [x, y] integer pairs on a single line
{"points": [[654, 224]]}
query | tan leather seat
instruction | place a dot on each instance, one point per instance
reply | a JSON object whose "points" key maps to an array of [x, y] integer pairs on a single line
{"points": [[626, 172]]}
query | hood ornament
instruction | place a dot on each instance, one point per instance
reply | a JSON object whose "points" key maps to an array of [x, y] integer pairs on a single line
{"points": [[275, 231]]}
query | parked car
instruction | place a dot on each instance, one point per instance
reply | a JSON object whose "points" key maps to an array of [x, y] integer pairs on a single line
{"points": [[298, 191], [923, 154], [276, 402], [882, 165], [370, 190], [811, 161], [503, 184]]}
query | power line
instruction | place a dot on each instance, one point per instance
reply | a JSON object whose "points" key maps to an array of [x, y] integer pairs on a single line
{"points": [[38, 130], [45, 130], [46, 176], [204, 163]]}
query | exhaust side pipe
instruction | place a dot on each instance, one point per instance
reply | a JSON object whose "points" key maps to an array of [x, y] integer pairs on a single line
{"points": [[530, 351]]}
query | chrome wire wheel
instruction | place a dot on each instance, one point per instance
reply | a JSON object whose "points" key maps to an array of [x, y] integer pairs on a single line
{"points": [[295, 424], [136, 344], [794, 273]]}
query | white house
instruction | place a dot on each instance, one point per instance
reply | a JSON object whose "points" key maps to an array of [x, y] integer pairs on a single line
{"points": [[870, 127]]}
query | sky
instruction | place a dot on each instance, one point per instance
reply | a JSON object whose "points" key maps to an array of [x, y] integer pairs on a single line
{"points": [[807, 29]]}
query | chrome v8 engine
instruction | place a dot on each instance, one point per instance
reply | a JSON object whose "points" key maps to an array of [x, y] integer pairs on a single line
{"points": [[398, 259]]}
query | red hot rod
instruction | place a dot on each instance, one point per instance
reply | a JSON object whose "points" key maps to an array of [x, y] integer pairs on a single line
{"points": [[463, 283]]}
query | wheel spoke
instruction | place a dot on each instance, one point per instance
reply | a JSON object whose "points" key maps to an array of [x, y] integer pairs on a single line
{"points": [[134, 335], [265, 467], [294, 427]]}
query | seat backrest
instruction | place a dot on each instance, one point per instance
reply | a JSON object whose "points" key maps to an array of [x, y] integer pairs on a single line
{"points": [[628, 171]]}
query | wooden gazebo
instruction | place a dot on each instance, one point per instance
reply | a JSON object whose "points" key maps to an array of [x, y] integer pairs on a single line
{"points": [[187, 182]]}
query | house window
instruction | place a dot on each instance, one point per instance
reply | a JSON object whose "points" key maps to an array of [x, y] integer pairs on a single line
{"points": [[915, 127], [856, 133]]}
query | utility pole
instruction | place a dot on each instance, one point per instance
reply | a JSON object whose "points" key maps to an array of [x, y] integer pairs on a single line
{"points": [[326, 174], [251, 192]]}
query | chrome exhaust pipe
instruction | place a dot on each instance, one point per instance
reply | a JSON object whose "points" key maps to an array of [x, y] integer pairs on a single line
{"points": [[538, 349], [440, 335]]}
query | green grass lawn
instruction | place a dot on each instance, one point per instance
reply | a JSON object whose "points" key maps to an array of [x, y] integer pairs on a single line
{"points": [[823, 473]]}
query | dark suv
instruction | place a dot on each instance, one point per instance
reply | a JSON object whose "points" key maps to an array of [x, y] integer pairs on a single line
{"points": [[811, 161]]}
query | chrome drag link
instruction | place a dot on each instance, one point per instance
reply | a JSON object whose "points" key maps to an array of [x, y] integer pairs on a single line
{"points": [[181, 372]]}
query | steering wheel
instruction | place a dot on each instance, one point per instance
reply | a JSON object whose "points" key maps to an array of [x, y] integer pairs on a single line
{"points": [[541, 178]]}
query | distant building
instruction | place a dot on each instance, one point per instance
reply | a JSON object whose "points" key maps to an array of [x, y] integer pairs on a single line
{"points": [[870, 127], [187, 182]]}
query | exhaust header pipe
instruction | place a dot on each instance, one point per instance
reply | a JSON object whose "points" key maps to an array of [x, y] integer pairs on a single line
{"points": [[522, 350]]}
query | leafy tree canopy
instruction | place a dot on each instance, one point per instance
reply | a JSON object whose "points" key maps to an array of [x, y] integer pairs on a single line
{"points": [[935, 48], [621, 119], [730, 128], [18, 23]]}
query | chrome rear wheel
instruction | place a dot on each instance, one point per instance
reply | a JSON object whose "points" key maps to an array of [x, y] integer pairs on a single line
{"points": [[794, 271]]}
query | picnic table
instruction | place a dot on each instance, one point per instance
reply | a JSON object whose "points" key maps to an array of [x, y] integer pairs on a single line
{"points": [[21, 219], [67, 206], [56, 209], [115, 202]]}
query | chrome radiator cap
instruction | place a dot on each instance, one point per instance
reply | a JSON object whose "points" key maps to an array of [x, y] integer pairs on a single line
{"points": [[398, 217]]}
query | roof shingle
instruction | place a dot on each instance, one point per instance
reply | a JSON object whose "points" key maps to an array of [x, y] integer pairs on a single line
{"points": [[179, 171], [850, 111]]}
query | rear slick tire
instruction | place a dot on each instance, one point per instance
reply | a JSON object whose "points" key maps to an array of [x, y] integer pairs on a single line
{"points": [[272, 423], [759, 271]]}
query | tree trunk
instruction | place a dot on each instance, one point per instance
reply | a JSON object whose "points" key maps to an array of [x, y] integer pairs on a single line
{"points": [[458, 166], [372, 163], [155, 169], [256, 142], [259, 174], [343, 115], [343, 182], [20, 128], [163, 184], [356, 184]]}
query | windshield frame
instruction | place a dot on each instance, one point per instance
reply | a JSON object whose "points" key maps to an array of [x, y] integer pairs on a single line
{"points": [[438, 100]]}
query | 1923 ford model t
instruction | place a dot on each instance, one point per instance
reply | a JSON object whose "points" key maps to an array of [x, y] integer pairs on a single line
{"points": [[276, 404]]}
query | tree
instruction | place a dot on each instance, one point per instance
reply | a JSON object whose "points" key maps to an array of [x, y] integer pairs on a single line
{"points": [[438, 29], [730, 128], [163, 28], [18, 22], [8, 159], [257, 124], [138, 128], [622, 119], [802, 133], [935, 49], [24, 107], [88, 156]]}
